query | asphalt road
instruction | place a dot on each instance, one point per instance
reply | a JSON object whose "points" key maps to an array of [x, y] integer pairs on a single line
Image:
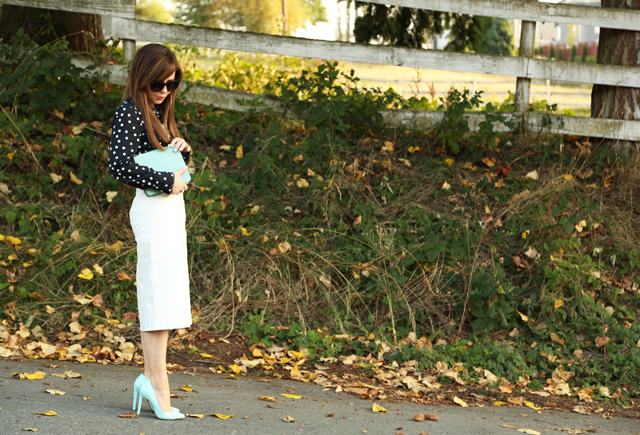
{"points": [[110, 391]]}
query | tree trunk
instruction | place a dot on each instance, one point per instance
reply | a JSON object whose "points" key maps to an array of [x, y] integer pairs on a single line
{"points": [[618, 47], [83, 31]]}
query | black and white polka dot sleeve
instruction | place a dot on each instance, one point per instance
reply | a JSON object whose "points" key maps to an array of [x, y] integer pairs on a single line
{"points": [[128, 139]]}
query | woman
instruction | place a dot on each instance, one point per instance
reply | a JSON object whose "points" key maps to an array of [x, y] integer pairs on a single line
{"points": [[143, 122]]}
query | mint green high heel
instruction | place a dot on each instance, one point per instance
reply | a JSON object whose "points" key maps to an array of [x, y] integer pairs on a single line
{"points": [[147, 392], [136, 389]]}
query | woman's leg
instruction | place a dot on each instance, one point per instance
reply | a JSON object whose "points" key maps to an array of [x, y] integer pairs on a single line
{"points": [[147, 372], [154, 345]]}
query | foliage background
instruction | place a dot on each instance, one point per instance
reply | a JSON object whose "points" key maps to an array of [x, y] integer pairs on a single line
{"points": [[514, 252]]}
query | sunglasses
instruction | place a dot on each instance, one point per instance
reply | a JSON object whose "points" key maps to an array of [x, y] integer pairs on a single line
{"points": [[156, 86]]}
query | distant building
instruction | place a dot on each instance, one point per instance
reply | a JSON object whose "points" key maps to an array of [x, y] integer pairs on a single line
{"points": [[563, 36]]}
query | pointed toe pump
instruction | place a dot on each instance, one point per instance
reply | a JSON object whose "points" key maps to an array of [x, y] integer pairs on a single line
{"points": [[146, 391], [136, 392]]}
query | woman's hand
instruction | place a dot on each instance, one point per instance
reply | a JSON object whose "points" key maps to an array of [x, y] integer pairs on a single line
{"points": [[179, 185], [179, 144]]}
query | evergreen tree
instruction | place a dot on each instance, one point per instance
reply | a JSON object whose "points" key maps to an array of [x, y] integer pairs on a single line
{"points": [[585, 53], [499, 38], [574, 53], [552, 52]]}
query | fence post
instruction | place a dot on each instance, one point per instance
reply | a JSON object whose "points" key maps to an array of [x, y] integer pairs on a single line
{"points": [[523, 85], [128, 50]]}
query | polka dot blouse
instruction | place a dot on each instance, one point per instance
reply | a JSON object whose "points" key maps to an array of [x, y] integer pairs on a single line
{"points": [[128, 139]]}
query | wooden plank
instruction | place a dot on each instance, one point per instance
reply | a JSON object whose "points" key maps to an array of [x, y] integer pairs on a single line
{"points": [[410, 119], [116, 8], [530, 11], [385, 55]]}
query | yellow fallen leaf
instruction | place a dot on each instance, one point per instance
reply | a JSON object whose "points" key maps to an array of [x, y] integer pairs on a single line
{"points": [[460, 402], [499, 403], [567, 177], [49, 413], [530, 431], [302, 183], [14, 240], [195, 415], [27, 264], [98, 269], [29, 429], [378, 408], [292, 396], [116, 246], [56, 392], [558, 303], [74, 178], [239, 152], [449, 161], [86, 274], [245, 232], [206, 355], [523, 317], [110, 195], [289, 419], [31, 377], [10, 155], [532, 406], [55, 177], [413, 149], [446, 186], [222, 416], [267, 398], [235, 368], [256, 353], [186, 388]]}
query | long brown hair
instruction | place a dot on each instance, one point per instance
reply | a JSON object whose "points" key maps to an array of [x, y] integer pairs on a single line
{"points": [[154, 62]]}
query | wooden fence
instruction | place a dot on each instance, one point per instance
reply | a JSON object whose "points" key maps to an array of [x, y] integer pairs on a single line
{"points": [[123, 25]]}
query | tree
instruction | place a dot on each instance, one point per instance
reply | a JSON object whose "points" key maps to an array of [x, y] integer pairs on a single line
{"points": [[574, 53], [407, 27], [617, 47], [251, 15], [153, 10], [552, 52], [499, 38], [83, 31], [585, 53]]}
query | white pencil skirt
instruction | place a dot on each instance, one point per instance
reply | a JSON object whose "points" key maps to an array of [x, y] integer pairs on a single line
{"points": [[162, 273]]}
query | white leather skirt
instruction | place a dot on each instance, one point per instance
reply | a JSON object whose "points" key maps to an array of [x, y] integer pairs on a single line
{"points": [[162, 274]]}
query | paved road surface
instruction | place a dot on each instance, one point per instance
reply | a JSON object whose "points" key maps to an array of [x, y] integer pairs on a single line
{"points": [[110, 390]]}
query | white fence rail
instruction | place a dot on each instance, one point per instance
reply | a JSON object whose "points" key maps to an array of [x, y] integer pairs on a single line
{"points": [[130, 30], [530, 11], [379, 54], [115, 8]]}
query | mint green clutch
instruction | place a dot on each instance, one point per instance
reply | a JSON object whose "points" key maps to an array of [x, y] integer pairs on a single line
{"points": [[165, 161]]}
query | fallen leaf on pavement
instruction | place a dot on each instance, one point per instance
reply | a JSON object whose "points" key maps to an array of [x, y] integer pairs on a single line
{"points": [[292, 396], [129, 415], [267, 398], [56, 392], [289, 419], [431, 417], [31, 377], [460, 402], [378, 408], [530, 431], [49, 413], [532, 406], [195, 415], [186, 388], [222, 416]]}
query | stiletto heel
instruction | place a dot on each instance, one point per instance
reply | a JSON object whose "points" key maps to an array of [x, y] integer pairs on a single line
{"points": [[147, 392], [136, 393], [136, 389]]}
